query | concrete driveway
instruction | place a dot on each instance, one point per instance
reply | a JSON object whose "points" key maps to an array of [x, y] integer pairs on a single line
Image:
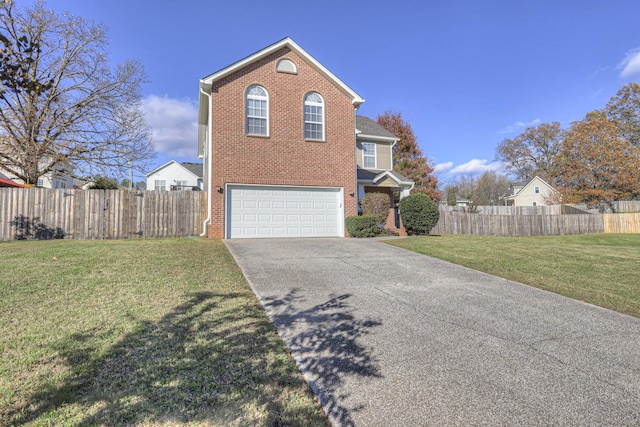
{"points": [[387, 337]]}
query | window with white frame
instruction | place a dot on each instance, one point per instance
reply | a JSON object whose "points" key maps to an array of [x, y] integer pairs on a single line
{"points": [[159, 184], [257, 111], [40, 182], [536, 189], [313, 117], [368, 155]]}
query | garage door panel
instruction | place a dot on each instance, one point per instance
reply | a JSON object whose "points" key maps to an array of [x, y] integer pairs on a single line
{"points": [[263, 211]]}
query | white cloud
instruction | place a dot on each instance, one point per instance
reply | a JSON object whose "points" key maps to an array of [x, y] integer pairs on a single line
{"points": [[477, 166], [442, 167], [630, 65], [519, 125], [174, 125]]}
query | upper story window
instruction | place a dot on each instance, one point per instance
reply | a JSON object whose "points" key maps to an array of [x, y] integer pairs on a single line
{"points": [[536, 190], [159, 184], [368, 155], [313, 117], [257, 111]]}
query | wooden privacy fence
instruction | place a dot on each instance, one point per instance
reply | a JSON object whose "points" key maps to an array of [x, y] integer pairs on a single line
{"points": [[535, 225], [517, 225], [622, 223], [100, 214]]}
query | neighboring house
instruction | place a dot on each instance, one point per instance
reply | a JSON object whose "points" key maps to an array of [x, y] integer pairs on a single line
{"points": [[6, 182], [185, 176], [277, 132], [460, 201], [535, 192], [51, 179]]}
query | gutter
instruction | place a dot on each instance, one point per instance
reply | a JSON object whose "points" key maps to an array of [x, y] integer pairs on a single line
{"points": [[207, 156]]}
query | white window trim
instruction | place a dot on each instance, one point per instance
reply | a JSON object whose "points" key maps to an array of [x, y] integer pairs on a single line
{"points": [[536, 189], [156, 183], [375, 156], [247, 116], [317, 104]]}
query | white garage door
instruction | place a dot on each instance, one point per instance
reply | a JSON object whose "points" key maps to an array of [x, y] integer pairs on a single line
{"points": [[261, 211]]}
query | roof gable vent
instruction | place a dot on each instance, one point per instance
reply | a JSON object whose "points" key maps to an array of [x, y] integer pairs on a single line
{"points": [[286, 66]]}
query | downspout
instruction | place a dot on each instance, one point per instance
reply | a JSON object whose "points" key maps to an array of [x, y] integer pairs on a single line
{"points": [[207, 156]]}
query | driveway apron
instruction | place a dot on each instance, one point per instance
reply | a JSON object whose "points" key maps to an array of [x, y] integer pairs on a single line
{"points": [[389, 337]]}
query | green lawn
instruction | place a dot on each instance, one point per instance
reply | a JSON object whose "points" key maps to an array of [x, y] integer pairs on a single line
{"points": [[602, 269], [140, 332]]}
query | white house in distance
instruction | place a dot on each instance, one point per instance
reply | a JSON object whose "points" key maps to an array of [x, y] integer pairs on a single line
{"points": [[51, 179], [185, 176], [535, 192]]}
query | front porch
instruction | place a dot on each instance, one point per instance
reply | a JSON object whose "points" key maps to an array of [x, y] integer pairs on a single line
{"points": [[385, 182]]}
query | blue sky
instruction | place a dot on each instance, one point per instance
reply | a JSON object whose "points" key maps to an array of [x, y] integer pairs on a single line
{"points": [[465, 74]]}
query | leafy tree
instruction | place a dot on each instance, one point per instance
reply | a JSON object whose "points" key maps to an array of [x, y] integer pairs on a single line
{"points": [[378, 205], [624, 111], [491, 187], [419, 213], [598, 163], [533, 152], [60, 101], [407, 156], [104, 183]]}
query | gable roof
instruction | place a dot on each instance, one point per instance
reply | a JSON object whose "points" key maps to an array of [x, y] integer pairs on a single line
{"points": [[206, 82], [193, 168], [526, 184], [375, 176], [365, 127]]}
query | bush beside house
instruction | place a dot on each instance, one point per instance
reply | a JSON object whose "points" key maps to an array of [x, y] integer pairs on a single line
{"points": [[362, 226], [378, 205], [419, 214]]}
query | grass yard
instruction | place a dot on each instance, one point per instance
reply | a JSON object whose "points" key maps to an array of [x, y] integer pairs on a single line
{"points": [[601, 269], [140, 332]]}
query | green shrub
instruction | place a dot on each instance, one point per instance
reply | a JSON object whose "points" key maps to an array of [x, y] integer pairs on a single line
{"points": [[419, 214], [362, 226], [376, 204]]}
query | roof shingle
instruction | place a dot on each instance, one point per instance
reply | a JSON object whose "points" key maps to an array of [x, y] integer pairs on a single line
{"points": [[368, 127]]}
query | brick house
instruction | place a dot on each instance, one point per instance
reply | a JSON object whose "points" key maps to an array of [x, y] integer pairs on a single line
{"points": [[277, 132]]}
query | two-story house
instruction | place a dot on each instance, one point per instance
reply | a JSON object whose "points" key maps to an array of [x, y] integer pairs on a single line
{"points": [[534, 192], [185, 176], [283, 153]]}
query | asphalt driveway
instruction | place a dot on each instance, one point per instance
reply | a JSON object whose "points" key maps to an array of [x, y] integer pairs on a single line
{"points": [[389, 337]]}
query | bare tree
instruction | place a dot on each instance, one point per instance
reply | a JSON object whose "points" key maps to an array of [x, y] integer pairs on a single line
{"points": [[62, 106], [533, 152]]}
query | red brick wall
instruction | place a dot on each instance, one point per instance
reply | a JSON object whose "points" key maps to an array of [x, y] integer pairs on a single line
{"points": [[283, 158]]}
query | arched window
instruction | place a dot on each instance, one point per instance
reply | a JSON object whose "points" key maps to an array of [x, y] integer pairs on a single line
{"points": [[257, 111], [313, 117]]}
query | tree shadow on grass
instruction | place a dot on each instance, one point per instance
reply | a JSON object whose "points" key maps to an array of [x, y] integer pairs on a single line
{"points": [[324, 340], [212, 359]]}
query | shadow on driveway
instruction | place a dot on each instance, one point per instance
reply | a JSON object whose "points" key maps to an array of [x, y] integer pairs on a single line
{"points": [[324, 340]]}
